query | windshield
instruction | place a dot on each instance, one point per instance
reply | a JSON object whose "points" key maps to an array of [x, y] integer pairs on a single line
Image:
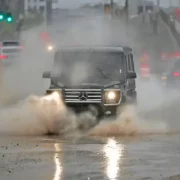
{"points": [[89, 66]]}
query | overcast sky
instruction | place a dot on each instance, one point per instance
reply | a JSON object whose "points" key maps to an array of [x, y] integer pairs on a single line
{"points": [[77, 3]]}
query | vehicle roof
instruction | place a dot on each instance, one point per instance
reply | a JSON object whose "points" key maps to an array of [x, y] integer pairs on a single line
{"points": [[105, 48]]}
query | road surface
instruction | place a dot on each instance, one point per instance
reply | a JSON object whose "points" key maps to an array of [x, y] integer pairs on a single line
{"points": [[153, 157]]}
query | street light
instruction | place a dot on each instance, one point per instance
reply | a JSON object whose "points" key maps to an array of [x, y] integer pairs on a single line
{"points": [[157, 16]]}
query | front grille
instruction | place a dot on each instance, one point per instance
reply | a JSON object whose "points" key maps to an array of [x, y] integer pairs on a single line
{"points": [[90, 95]]}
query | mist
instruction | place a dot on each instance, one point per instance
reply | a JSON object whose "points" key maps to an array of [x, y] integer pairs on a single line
{"points": [[26, 111]]}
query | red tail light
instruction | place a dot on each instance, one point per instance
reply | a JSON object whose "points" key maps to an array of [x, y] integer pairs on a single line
{"points": [[3, 56], [176, 74]]}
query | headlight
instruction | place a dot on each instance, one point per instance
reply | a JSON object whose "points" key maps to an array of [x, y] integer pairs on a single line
{"points": [[53, 95], [50, 48], [112, 97], [163, 77]]}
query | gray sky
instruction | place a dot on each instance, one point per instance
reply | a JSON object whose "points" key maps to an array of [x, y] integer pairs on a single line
{"points": [[77, 3]]}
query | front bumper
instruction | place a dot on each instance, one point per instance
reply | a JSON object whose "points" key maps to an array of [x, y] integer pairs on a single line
{"points": [[98, 109], [83, 99]]}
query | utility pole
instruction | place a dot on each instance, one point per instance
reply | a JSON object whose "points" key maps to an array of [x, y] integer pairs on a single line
{"points": [[48, 12], [157, 16], [3, 6], [112, 7], [126, 9], [143, 10], [170, 3], [112, 3]]}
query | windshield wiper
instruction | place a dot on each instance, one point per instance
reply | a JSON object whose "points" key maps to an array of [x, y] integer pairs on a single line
{"points": [[101, 72]]}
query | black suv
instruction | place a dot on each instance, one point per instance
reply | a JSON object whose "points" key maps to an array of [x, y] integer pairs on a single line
{"points": [[99, 76]]}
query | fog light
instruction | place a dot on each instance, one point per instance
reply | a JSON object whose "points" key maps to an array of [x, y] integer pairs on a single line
{"points": [[108, 112], [55, 96]]}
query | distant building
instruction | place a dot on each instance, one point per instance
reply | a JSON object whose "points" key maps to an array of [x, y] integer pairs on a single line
{"points": [[15, 6], [30, 5], [55, 4]]}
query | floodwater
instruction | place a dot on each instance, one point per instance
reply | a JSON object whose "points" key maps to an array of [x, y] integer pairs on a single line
{"points": [[151, 157]]}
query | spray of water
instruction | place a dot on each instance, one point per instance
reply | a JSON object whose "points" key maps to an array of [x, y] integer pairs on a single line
{"points": [[128, 123]]}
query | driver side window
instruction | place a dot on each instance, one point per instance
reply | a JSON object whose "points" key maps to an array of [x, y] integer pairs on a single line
{"points": [[128, 60], [130, 63]]}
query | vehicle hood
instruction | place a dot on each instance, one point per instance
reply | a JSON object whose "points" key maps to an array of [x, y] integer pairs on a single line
{"points": [[104, 83]]}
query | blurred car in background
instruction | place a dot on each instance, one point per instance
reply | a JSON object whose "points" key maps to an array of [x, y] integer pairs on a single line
{"points": [[10, 51], [47, 41], [171, 78], [50, 47], [167, 65]]}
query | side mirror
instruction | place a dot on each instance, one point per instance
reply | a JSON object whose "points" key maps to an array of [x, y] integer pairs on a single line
{"points": [[46, 74], [131, 75]]}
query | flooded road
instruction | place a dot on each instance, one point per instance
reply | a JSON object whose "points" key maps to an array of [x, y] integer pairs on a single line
{"points": [[145, 146], [150, 157]]}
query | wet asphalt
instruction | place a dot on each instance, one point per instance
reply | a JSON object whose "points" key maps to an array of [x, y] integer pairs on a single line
{"points": [[56, 158]]}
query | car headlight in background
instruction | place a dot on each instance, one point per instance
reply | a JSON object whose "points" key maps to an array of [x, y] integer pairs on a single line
{"points": [[163, 77], [163, 80], [112, 97], [50, 48]]}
